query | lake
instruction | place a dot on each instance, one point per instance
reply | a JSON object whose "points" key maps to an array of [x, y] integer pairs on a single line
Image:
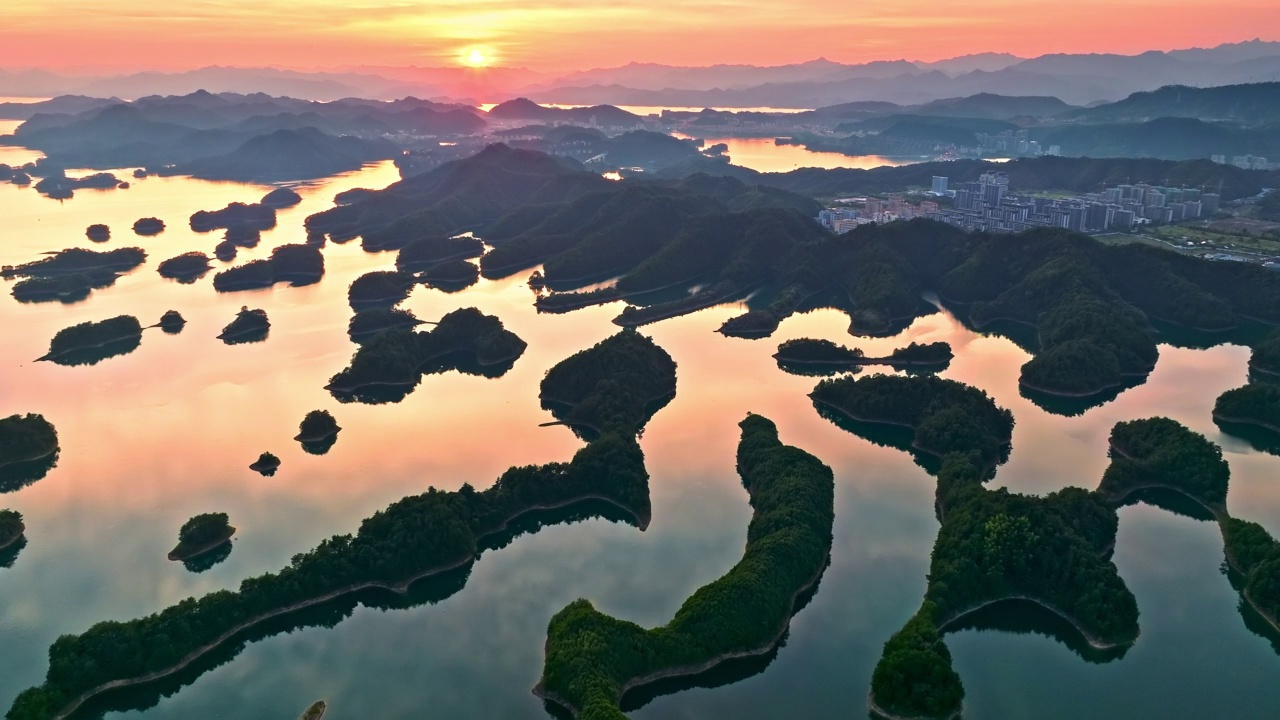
{"points": [[151, 438], [765, 155]]}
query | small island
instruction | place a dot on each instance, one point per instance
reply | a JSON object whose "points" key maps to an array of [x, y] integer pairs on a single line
{"points": [[1265, 359], [98, 232], [202, 534], [266, 464], [60, 187], [26, 438], [185, 268], [381, 288], [297, 265], [451, 275], [1255, 405], [11, 528], [281, 198], [249, 326], [395, 360], [826, 355], [70, 275], [368, 323], [89, 342], [148, 226], [172, 322], [318, 432]]}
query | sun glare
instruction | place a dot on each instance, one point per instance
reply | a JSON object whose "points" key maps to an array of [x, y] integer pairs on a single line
{"points": [[476, 57]]}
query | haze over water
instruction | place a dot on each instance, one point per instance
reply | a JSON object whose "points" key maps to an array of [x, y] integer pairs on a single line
{"points": [[150, 438]]}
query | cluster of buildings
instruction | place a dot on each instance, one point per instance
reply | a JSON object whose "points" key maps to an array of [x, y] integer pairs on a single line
{"points": [[875, 210], [1246, 162], [1015, 142], [988, 205]]}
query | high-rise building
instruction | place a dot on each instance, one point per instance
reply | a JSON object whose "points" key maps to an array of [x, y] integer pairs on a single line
{"points": [[939, 185], [1209, 203]]}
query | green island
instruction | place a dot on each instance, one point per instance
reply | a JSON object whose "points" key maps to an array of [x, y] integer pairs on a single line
{"points": [[369, 322], [248, 326], [185, 268], [28, 450], [417, 537], [827, 355], [1265, 358], [172, 322], [235, 215], [70, 275], [318, 432], [451, 275], [380, 288], [266, 464], [281, 198], [572, 390], [1252, 412], [391, 364], [1054, 551], [90, 342], [202, 534], [148, 226], [11, 528], [945, 416], [592, 659], [98, 232], [297, 265], [425, 252]]}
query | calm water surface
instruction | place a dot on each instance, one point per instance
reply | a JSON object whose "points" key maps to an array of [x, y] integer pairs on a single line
{"points": [[765, 155], [168, 431]]}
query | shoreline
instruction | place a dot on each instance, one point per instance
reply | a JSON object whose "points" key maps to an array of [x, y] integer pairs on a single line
{"points": [[352, 389], [24, 461], [1241, 421], [51, 356], [399, 588], [1089, 638], [22, 529], [886, 715], [201, 549], [859, 362], [698, 668]]}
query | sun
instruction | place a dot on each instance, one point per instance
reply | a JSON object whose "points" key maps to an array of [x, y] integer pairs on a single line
{"points": [[476, 57]]}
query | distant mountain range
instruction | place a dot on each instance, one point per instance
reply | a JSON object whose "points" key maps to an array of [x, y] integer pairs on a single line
{"points": [[1075, 79]]}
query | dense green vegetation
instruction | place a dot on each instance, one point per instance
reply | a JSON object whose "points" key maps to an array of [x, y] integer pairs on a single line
{"points": [[297, 264], [465, 340], [592, 658], [317, 425], [424, 252], [1266, 355], [280, 198], [914, 677], [934, 353], [946, 416], [1160, 451], [248, 326], [808, 350], [185, 268], [172, 322], [266, 464], [200, 534], [380, 288], [63, 288], [451, 275], [124, 330], [26, 437], [1254, 554], [148, 226], [415, 537], [1254, 404], [579, 393], [98, 232], [11, 527]]}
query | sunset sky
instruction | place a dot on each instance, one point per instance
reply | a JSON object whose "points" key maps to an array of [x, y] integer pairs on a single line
{"points": [[557, 35]]}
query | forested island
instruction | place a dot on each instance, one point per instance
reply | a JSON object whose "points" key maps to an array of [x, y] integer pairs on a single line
{"points": [[249, 326], [945, 416], [266, 464], [281, 198], [367, 323], [423, 253], [201, 534], [98, 232], [380, 288], [90, 342], [416, 537], [11, 528], [185, 268], [28, 450], [297, 265], [390, 364], [236, 215], [1160, 452], [1265, 358], [148, 226], [826, 355], [1253, 411], [572, 389], [172, 322], [451, 275], [70, 275], [593, 659], [318, 432]]}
